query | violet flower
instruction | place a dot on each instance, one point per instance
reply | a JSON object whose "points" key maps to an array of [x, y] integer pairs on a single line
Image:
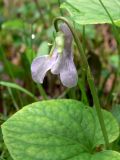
{"points": [[59, 63]]}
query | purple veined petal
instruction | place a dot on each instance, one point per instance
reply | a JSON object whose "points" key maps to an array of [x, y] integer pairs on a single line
{"points": [[68, 72], [41, 65], [55, 69], [67, 49], [65, 29], [68, 38]]}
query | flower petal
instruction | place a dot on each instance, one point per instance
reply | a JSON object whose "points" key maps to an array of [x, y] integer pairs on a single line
{"points": [[65, 29], [55, 69], [68, 72], [41, 65], [67, 49]]}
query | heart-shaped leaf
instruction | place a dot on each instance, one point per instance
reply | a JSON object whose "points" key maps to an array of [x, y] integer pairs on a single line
{"points": [[58, 130], [92, 12]]}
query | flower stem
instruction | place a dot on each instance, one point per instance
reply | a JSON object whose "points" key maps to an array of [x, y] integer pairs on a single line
{"points": [[86, 69], [97, 105]]}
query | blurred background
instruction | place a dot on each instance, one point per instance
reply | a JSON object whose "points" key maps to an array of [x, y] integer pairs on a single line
{"points": [[27, 31]]}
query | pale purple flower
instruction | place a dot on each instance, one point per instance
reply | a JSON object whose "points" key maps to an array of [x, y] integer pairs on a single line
{"points": [[59, 63]]}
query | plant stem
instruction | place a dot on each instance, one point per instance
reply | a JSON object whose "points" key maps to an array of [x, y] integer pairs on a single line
{"points": [[13, 99], [90, 79], [80, 48], [97, 105]]}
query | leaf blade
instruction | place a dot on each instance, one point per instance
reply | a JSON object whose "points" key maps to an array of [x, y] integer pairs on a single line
{"points": [[93, 12], [55, 129], [16, 86]]}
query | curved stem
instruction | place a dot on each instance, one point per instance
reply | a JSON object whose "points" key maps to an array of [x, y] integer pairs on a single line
{"points": [[86, 69], [80, 48]]}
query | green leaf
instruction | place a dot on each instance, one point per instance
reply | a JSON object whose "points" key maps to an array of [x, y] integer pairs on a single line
{"points": [[90, 31], [16, 24], [43, 49], [30, 55], [91, 11], [16, 86], [116, 112], [58, 129]]}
